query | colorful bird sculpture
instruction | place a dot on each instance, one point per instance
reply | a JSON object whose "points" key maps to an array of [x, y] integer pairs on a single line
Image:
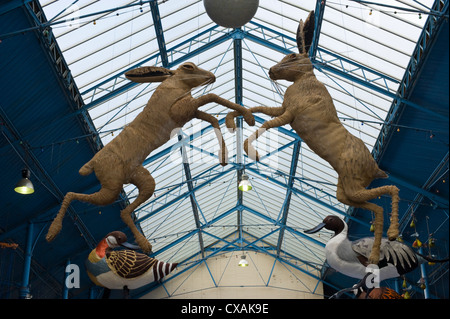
{"points": [[379, 293], [362, 291], [123, 269], [352, 258]]}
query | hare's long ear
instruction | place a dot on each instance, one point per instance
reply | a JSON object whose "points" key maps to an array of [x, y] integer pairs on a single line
{"points": [[305, 33], [147, 74]]}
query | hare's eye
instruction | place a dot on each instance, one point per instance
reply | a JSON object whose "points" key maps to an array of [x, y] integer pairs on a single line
{"points": [[188, 67], [292, 55]]}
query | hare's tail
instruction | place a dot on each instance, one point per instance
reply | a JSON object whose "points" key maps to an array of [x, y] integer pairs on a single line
{"points": [[380, 174], [87, 168]]}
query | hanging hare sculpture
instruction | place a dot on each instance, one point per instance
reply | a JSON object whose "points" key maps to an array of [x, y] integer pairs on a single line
{"points": [[120, 161], [309, 109]]}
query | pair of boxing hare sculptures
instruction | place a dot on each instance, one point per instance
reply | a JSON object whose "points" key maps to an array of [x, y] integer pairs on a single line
{"points": [[307, 107]]}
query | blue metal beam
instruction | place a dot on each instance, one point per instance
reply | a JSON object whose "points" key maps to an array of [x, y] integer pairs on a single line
{"points": [[321, 64], [269, 253], [425, 42], [438, 200], [152, 286], [236, 245], [34, 161], [159, 33], [187, 172], [431, 12], [191, 137], [11, 5], [43, 23], [287, 201], [290, 229], [178, 198], [267, 43], [25, 288], [368, 79], [211, 43], [318, 13], [193, 232], [296, 191], [236, 166]]}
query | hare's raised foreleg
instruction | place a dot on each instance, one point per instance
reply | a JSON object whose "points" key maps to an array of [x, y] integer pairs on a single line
{"points": [[285, 118], [270, 111], [212, 98], [223, 152], [146, 186]]}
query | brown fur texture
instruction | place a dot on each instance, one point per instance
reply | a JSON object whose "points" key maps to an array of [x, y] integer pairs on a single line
{"points": [[120, 161], [309, 109]]}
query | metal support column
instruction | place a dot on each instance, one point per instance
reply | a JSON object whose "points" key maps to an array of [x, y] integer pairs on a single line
{"points": [[237, 42], [25, 289]]}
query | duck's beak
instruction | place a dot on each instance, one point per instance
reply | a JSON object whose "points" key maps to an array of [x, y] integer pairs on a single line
{"points": [[315, 229], [130, 246]]}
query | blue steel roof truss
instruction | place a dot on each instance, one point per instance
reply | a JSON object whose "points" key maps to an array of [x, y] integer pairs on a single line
{"points": [[257, 33], [383, 88]]}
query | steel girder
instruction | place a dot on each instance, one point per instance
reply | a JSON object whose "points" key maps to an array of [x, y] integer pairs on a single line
{"points": [[187, 172], [294, 162], [159, 33]]}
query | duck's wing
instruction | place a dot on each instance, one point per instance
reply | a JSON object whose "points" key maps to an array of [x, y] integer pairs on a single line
{"points": [[393, 252], [129, 263], [362, 247]]}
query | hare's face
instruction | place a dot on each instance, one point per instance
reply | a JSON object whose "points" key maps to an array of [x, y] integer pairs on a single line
{"points": [[291, 67], [193, 76]]}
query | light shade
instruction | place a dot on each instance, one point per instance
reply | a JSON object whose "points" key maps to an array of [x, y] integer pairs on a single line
{"points": [[243, 262], [231, 13], [245, 185], [24, 186]]}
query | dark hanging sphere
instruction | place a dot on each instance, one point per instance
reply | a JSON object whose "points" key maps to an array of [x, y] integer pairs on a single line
{"points": [[231, 13]]}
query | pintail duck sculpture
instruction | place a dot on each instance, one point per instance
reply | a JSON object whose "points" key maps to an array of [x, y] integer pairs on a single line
{"points": [[352, 258], [123, 269]]}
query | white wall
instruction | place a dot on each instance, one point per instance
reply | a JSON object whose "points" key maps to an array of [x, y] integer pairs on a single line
{"points": [[226, 280]]}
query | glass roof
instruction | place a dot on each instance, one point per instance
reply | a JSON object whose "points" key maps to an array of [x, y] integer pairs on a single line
{"points": [[363, 50]]}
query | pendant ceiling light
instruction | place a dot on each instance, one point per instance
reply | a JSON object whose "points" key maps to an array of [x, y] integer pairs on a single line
{"points": [[25, 186], [244, 184], [243, 262]]}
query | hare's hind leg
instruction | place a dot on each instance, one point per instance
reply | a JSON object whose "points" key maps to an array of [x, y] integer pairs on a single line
{"points": [[281, 120], [378, 223], [146, 186], [368, 194], [360, 198]]}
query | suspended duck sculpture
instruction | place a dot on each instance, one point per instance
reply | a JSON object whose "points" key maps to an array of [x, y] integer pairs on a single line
{"points": [[352, 258], [123, 269]]}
